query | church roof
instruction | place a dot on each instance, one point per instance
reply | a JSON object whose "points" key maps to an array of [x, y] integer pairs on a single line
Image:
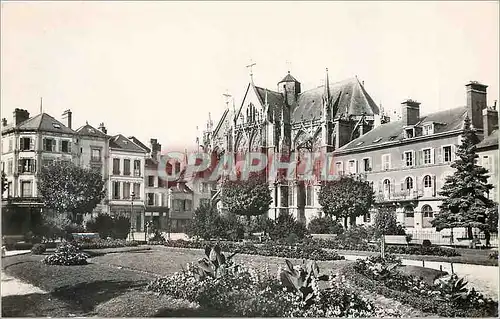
{"points": [[349, 97], [489, 141], [392, 132], [89, 130], [275, 100], [44, 122], [288, 78]]}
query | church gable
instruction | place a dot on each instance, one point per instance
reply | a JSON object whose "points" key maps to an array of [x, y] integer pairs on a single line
{"points": [[253, 108]]}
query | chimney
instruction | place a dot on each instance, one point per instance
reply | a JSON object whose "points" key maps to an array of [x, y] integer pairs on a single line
{"points": [[67, 118], [410, 112], [102, 128], [476, 103], [490, 121], [155, 148], [20, 116]]}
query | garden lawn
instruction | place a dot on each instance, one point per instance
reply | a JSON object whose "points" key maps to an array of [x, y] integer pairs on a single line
{"points": [[112, 285]]}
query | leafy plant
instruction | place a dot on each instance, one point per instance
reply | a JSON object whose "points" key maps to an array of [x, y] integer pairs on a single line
{"points": [[285, 225], [214, 264], [452, 288], [303, 280]]}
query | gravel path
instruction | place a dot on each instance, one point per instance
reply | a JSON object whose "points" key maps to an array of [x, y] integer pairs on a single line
{"points": [[13, 286]]}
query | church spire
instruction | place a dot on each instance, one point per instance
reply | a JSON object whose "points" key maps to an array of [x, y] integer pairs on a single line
{"points": [[327, 86]]}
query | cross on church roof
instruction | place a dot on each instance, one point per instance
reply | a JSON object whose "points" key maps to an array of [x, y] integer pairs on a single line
{"points": [[250, 67]]}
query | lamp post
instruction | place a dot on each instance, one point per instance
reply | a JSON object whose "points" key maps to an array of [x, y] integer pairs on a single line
{"points": [[169, 216], [132, 197]]}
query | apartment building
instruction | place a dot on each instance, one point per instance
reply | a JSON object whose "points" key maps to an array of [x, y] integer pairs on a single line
{"points": [[93, 153], [126, 194], [407, 160], [28, 143]]}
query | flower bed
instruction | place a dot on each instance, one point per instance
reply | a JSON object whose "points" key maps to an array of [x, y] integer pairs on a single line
{"points": [[67, 254], [268, 249], [447, 297], [215, 282]]}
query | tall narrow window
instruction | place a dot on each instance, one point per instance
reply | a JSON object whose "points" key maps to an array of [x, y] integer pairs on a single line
{"points": [[116, 166], [427, 156], [137, 168], [126, 190], [409, 183], [447, 154], [116, 190], [126, 167]]}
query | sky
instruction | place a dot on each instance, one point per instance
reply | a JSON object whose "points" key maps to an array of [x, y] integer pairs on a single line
{"points": [[157, 69]]}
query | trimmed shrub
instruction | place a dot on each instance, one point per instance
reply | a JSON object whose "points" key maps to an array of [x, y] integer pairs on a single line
{"points": [[426, 243], [285, 225], [38, 249], [104, 243], [108, 226], [325, 225], [121, 227]]}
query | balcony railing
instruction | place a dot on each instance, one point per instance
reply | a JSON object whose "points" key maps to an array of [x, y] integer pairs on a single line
{"points": [[401, 195]]}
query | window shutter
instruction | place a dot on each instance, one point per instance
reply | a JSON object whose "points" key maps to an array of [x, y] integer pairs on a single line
{"points": [[32, 144], [453, 150], [403, 185], [380, 185], [33, 166], [53, 146], [60, 145], [356, 169], [414, 158], [403, 164], [20, 166], [434, 186], [433, 159], [491, 167], [440, 155], [69, 147]]}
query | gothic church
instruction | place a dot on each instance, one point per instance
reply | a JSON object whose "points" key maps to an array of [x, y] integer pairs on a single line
{"points": [[320, 119]]}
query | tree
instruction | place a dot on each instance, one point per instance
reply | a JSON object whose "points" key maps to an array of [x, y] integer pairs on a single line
{"points": [[69, 189], [247, 198], [206, 223], [286, 225], [4, 183], [465, 192], [347, 197], [386, 223]]}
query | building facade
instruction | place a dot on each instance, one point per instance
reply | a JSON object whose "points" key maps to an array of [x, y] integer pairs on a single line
{"points": [[407, 161], [291, 120], [126, 194], [93, 153]]}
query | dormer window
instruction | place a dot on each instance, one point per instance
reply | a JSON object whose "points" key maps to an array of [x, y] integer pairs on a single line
{"points": [[56, 125], [409, 133], [427, 129]]}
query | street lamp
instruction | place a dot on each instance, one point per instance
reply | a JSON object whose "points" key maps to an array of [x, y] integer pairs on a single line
{"points": [[132, 197]]}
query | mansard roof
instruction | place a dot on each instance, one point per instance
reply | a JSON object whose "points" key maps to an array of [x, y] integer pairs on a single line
{"points": [[392, 133], [45, 123], [349, 97]]}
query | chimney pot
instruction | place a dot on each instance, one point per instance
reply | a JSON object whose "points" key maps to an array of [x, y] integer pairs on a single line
{"points": [[4, 122], [102, 128]]}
